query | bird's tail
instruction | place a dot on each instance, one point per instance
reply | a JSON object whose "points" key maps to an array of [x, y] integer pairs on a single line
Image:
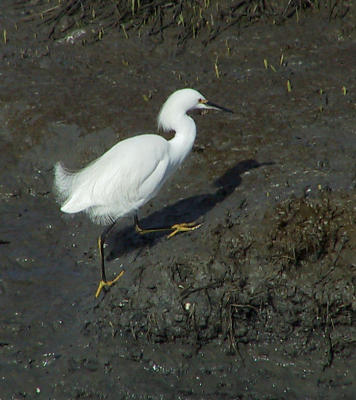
{"points": [[63, 181], [70, 190]]}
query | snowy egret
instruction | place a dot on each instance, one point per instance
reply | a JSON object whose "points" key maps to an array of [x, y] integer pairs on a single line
{"points": [[128, 175]]}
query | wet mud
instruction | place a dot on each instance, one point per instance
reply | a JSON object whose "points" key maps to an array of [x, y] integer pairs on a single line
{"points": [[259, 302]]}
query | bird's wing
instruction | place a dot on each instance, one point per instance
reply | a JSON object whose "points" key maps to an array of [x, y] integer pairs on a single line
{"points": [[122, 179]]}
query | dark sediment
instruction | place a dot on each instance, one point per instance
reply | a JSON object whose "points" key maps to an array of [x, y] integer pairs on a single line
{"points": [[256, 304]]}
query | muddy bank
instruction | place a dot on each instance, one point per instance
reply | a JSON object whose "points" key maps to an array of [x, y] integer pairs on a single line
{"points": [[258, 303]]}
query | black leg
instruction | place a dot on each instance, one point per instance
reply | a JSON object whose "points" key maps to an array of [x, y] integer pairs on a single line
{"points": [[101, 245], [143, 231], [183, 227]]}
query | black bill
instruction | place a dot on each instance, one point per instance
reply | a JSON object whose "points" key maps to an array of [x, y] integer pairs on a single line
{"points": [[216, 107]]}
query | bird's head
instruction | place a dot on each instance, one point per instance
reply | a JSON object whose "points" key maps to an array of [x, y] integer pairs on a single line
{"points": [[182, 101]]}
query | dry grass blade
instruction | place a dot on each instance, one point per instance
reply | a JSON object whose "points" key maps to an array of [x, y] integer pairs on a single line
{"points": [[191, 19]]}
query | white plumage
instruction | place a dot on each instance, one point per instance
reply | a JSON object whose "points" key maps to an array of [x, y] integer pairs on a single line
{"points": [[128, 175], [119, 182]]}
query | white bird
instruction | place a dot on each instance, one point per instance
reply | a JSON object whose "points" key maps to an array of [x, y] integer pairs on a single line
{"points": [[128, 175]]}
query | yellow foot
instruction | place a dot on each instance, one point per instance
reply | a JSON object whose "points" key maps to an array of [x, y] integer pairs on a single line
{"points": [[109, 283], [184, 227]]}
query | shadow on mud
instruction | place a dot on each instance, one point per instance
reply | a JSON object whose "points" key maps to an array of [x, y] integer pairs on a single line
{"points": [[191, 209]]}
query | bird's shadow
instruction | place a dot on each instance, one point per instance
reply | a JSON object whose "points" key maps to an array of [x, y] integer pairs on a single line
{"points": [[193, 208]]}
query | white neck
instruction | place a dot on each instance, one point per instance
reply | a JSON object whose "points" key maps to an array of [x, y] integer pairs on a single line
{"points": [[183, 140]]}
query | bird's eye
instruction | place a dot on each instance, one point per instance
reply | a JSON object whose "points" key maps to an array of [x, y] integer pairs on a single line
{"points": [[202, 101]]}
